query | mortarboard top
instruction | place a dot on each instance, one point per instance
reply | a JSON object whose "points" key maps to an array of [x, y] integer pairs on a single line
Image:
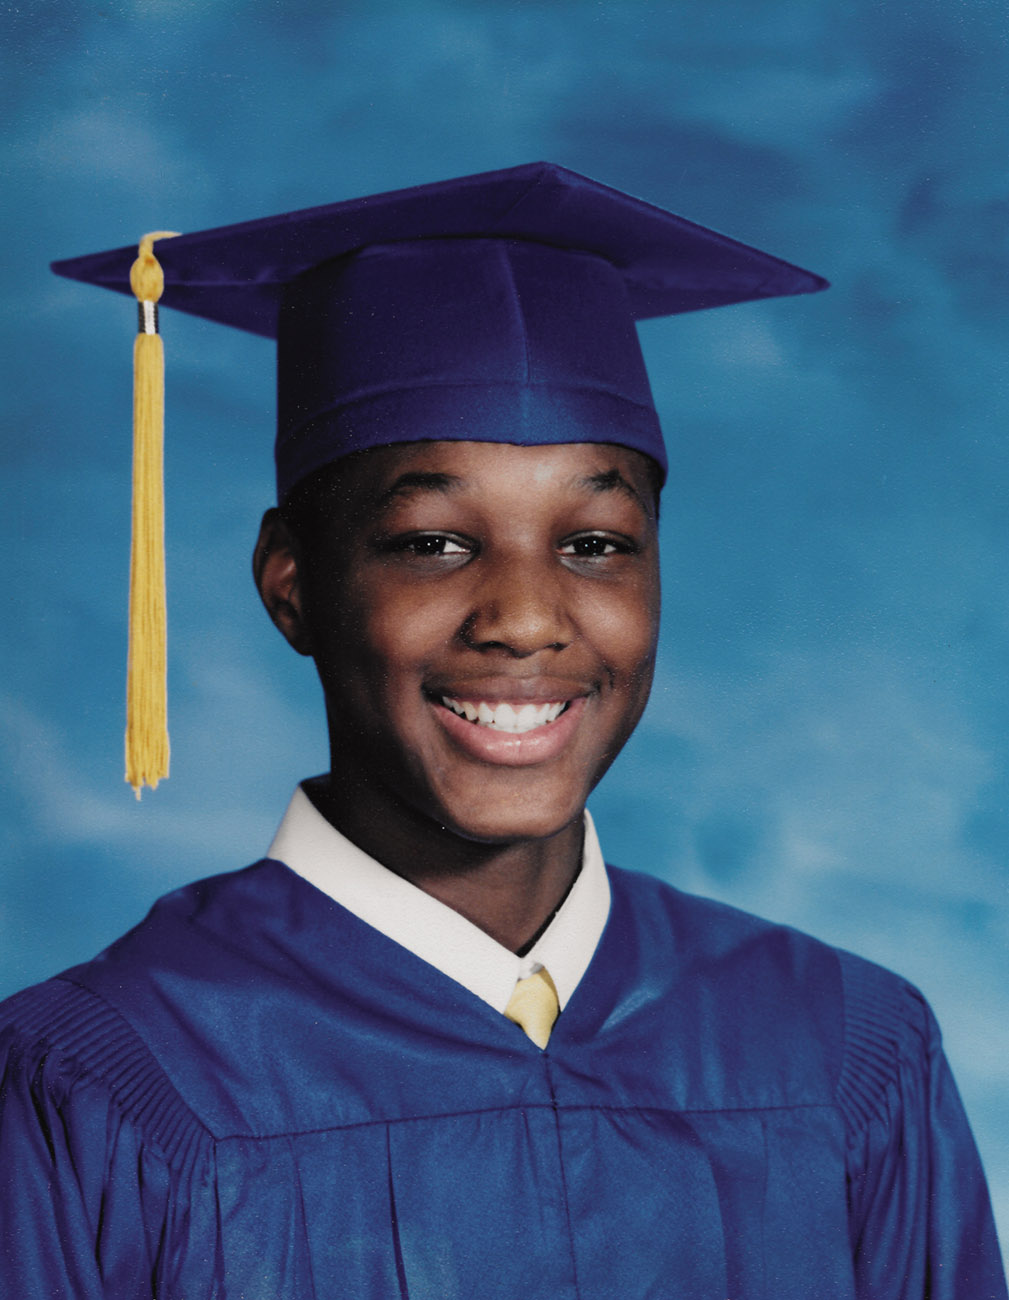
{"points": [[492, 308], [496, 307]]}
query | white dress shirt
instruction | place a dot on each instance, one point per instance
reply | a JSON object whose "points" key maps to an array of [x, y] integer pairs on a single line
{"points": [[430, 929]]}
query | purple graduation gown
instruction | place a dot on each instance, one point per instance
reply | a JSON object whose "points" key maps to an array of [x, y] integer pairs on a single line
{"points": [[256, 1096]]}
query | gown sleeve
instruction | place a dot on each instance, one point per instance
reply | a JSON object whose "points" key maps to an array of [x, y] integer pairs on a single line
{"points": [[85, 1188], [920, 1215]]}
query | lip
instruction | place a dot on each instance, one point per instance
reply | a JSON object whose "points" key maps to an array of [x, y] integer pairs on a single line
{"points": [[505, 748], [501, 689]]}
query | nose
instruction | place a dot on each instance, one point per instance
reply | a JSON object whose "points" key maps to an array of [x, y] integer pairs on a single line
{"points": [[519, 607]]}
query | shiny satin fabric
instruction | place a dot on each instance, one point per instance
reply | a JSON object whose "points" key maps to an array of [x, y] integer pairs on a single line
{"points": [[255, 1094], [499, 307]]}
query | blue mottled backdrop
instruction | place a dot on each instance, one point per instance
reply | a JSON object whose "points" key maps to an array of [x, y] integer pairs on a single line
{"points": [[828, 740]]}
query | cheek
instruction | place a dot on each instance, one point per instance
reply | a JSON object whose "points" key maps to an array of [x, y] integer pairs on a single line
{"points": [[625, 627], [397, 631]]}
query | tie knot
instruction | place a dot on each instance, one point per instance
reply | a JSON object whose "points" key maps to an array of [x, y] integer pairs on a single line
{"points": [[534, 1006]]}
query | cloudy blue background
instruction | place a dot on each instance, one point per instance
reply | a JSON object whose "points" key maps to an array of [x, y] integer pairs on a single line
{"points": [[829, 737]]}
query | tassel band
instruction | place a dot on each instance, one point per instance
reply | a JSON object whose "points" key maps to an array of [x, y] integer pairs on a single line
{"points": [[147, 317]]}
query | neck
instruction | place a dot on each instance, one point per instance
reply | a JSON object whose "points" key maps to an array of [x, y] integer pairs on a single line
{"points": [[509, 890]]}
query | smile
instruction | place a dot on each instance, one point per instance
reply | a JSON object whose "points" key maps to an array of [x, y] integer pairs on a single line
{"points": [[512, 733], [514, 719]]}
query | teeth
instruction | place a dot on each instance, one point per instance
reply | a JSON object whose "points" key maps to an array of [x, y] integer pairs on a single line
{"points": [[505, 717], [527, 717]]}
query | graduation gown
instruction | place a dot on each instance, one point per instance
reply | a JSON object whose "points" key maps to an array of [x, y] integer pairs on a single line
{"points": [[256, 1095]]}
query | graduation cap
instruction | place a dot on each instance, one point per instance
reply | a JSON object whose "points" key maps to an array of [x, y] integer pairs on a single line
{"points": [[493, 308]]}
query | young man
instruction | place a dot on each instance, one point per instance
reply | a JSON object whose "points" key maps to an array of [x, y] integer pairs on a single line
{"points": [[430, 1046]]}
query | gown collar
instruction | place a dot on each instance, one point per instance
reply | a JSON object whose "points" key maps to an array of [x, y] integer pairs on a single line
{"points": [[315, 850]]}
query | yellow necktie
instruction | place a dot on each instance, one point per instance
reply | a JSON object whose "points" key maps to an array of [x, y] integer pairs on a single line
{"points": [[534, 1007]]}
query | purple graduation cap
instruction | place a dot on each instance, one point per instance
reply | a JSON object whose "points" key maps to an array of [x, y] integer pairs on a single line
{"points": [[492, 308]]}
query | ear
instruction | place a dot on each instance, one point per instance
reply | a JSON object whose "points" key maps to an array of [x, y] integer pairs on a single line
{"points": [[276, 567]]}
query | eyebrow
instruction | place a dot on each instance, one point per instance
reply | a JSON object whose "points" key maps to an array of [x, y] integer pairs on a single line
{"points": [[611, 480], [418, 481], [608, 480]]}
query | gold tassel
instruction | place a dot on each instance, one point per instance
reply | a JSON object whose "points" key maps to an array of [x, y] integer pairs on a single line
{"points": [[146, 675]]}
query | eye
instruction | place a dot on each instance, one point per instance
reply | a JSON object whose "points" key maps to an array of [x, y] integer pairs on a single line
{"points": [[423, 546], [433, 544], [595, 546]]}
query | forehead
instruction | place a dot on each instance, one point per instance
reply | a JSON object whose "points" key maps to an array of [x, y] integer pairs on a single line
{"points": [[374, 477]]}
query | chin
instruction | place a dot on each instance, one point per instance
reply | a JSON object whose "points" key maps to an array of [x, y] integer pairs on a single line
{"points": [[502, 818]]}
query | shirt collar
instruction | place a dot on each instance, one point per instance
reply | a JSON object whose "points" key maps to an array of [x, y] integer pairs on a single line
{"points": [[314, 849]]}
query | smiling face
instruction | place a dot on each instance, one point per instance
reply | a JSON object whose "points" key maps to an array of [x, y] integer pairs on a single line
{"points": [[483, 618]]}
